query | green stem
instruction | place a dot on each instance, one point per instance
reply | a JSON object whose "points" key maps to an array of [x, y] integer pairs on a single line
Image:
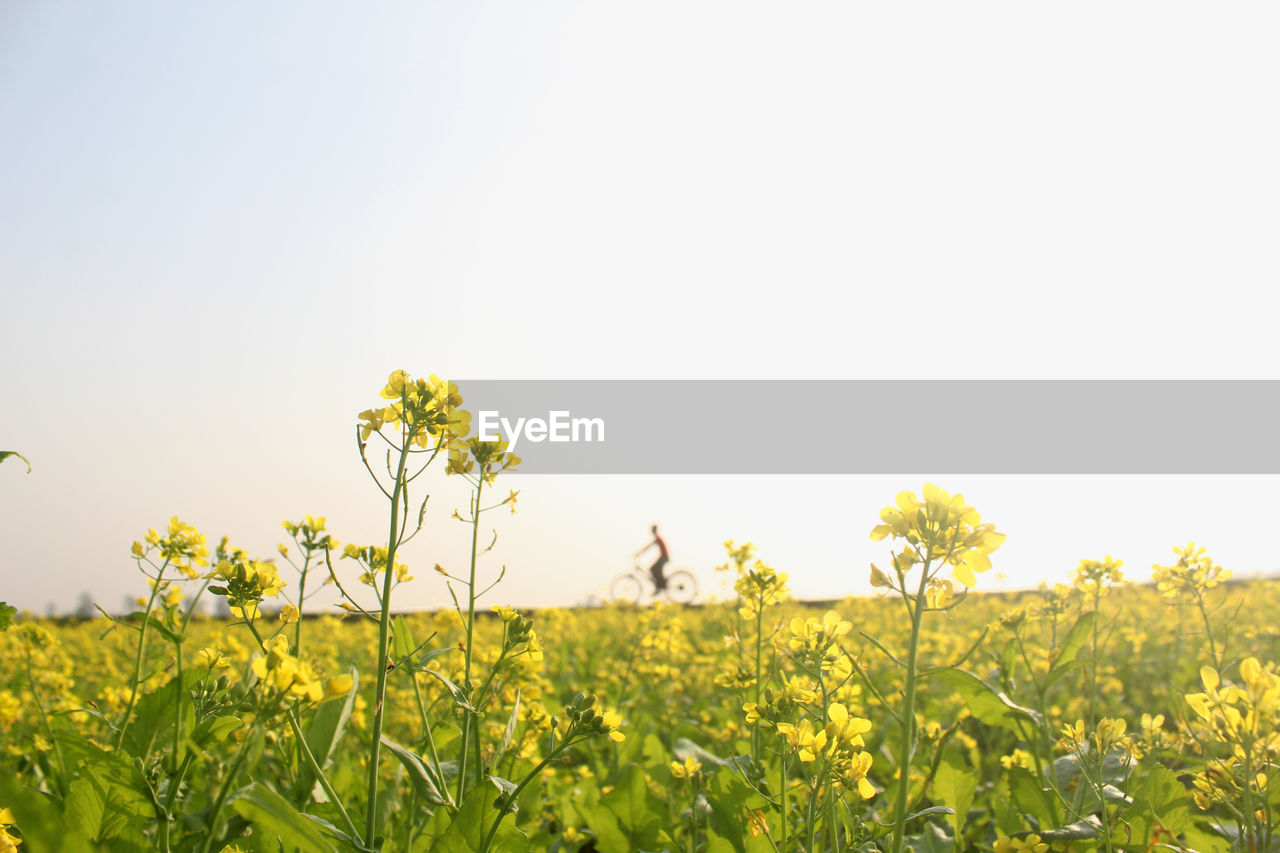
{"points": [[426, 725], [384, 640], [302, 590], [63, 781], [223, 791], [166, 818], [907, 748], [1093, 687], [137, 663], [1208, 630], [177, 713], [471, 622], [514, 795], [693, 819], [782, 829], [755, 733], [308, 755]]}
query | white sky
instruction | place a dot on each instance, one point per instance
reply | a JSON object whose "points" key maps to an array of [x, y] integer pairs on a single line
{"points": [[223, 224]]}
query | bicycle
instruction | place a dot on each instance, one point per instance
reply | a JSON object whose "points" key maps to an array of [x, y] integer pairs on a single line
{"points": [[637, 586]]}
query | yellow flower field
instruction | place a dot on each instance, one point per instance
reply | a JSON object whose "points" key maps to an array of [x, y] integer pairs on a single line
{"points": [[1125, 711]]}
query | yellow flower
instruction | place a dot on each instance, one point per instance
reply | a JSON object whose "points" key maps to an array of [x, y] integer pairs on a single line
{"points": [[1192, 574], [339, 686], [759, 587], [938, 594], [612, 720], [182, 547], [212, 658], [944, 528], [685, 769], [1017, 758], [1028, 844], [846, 729], [1097, 576], [879, 579], [8, 842]]}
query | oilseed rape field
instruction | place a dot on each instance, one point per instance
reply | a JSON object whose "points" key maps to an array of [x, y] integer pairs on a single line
{"points": [[1116, 711]]}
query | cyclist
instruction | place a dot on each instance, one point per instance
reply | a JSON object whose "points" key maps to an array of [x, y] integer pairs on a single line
{"points": [[664, 556]]}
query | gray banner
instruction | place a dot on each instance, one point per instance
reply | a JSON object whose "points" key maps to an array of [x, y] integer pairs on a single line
{"points": [[882, 426]]}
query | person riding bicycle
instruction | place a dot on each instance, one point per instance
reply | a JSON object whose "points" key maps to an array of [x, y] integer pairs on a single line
{"points": [[664, 556]]}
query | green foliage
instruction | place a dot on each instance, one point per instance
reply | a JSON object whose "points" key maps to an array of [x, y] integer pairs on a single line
{"points": [[5, 454]]}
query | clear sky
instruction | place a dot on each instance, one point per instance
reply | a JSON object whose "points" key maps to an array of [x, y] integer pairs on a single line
{"points": [[223, 224]]}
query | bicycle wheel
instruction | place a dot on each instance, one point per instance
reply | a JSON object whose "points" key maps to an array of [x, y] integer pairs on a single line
{"points": [[626, 587], [682, 587]]}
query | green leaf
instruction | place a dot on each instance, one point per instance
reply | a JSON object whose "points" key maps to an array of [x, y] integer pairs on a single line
{"points": [[1030, 797], [509, 733], [1075, 787], [7, 612], [401, 639], [506, 788], [1090, 827], [323, 735], [42, 819], [108, 800], [467, 830], [728, 796], [627, 818], [153, 718], [955, 784], [931, 810], [214, 731], [1159, 800], [163, 630], [427, 783], [1058, 672], [5, 454], [1076, 638], [934, 839], [459, 698], [988, 703], [1009, 657], [272, 814]]}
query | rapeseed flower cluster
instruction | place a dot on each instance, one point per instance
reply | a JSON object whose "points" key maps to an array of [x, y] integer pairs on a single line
{"points": [[584, 716], [838, 743], [1191, 575], [1097, 576], [182, 546], [310, 534], [245, 583], [781, 705], [426, 410], [759, 587], [1243, 720], [487, 458], [519, 638], [284, 674], [814, 642], [374, 558], [941, 527]]}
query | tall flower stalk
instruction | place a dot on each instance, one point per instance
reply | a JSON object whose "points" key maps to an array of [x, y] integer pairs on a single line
{"points": [[939, 531], [479, 463], [423, 419]]}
